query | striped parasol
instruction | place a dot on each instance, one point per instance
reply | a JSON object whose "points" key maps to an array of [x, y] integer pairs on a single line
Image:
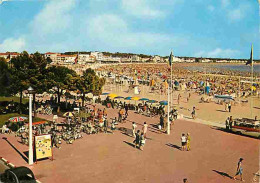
{"points": [[17, 119]]}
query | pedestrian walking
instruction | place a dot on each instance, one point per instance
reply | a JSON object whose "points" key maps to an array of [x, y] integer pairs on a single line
{"points": [[188, 141], [183, 141], [134, 126], [142, 141], [120, 115], [145, 128], [229, 107], [105, 124], [126, 109], [137, 138], [179, 98], [113, 126], [227, 123], [193, 113], [185, 180], [105, 112], [161, 122], [239, 170], [226, 106]]}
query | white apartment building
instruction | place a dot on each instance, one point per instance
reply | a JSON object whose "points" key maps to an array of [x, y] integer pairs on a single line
{"points": [[52, 56], [86, 58], [156, 58], [98, 55], [8, 55], [66, 59], [135, 58], [116, 59], [125, 59]]}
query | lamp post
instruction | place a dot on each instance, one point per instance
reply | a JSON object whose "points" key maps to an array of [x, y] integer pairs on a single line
{"points": [[168, 115], [30, 91]]}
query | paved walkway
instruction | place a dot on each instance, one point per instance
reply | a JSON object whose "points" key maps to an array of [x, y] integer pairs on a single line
{"points": [[106, 158]]}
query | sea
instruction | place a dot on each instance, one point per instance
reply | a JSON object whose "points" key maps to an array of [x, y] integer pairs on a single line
{"points": [[241, 68]]}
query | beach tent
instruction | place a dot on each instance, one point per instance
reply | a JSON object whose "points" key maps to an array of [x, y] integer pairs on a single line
{"points": [[163, 102], [207, 89], [112, 95], [128, 98], [152, 101], [135, 98], [68, 114]]}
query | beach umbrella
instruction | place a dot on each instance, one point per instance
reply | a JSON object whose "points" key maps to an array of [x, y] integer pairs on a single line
{"points": [[135, 98], [112, 95], [105, 94], [17, 119], [128, 98], [68, 114], [118, 97], [163, 102], [90, 95], [143, 99], [152, 101]]}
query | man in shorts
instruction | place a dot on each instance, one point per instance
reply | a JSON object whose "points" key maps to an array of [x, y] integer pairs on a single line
{"points": [[183, 142]]}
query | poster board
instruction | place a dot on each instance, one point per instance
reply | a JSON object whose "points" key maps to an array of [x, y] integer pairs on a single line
{"points": [[43, 146]]}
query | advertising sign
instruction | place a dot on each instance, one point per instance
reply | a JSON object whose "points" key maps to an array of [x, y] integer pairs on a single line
{"points": [[43, 146]]}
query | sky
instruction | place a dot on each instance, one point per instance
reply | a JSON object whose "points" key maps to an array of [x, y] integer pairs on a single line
{"points": [[195, 28]]}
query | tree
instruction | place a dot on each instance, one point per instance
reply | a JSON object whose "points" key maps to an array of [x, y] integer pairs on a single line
{"points": [[49, 60], [61, 79], [29, 70], [89, 82], [20, 74], [5, 77]]}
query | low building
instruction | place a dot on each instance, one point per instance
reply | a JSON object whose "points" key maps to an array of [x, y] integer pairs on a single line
{"points": [[52, 56], [9, 55], [86, 58], [98, 56], [66, 59], [135, 58]]}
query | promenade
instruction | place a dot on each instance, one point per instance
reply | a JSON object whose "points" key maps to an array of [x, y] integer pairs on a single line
{"points": [[106, 158]]}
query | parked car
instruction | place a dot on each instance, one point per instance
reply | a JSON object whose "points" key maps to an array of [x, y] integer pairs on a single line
{"points": [[18, 175], [247, 127]]}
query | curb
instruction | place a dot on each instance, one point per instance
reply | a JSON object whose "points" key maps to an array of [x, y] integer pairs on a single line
{"points": [[11, 165]]}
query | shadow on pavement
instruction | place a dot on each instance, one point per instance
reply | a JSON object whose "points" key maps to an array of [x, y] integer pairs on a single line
{"points": [[129, 144], [174, 146], [21, 154], [127, 134], [230, 132], [223, 174], [221, 110]]}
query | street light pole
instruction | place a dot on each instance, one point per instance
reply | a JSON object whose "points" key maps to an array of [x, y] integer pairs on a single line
{"points": [[30, 90], [168, 115]]}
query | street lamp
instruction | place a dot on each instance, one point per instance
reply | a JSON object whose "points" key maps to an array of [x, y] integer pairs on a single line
{"points": [[30, 91]]}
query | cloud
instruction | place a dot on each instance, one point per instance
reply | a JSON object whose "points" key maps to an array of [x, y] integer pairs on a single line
{"points": [[225, 3], [141, 9], [211, 8], [11, 44], [112, 32], [218, 53], [238, 13], [53, 18]]}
